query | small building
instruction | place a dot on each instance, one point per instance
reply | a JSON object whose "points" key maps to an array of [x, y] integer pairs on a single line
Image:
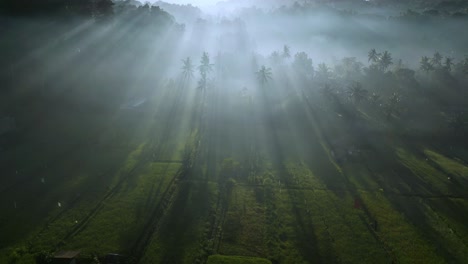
{"points": [[66, 257]]}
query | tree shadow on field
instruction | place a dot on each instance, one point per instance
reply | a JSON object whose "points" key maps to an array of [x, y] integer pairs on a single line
{"points": [[307, 242], [416, 214], [181, 227]]}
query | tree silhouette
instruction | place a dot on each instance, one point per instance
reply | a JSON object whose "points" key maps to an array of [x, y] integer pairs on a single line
{"points": [[205, 65], [205, 68], [392, 105], [448, 64], [373, 56], [102, 7], [187, 69], [349, 66], [264, 75], [286, 52], [94, 8], [436, 60], [327, 92], [425, 64], [323, 72], [357, 93], [303, 64], [385, 61]]}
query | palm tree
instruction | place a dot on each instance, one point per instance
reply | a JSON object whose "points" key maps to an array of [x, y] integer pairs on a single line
{"points": [[373, 56], [286, 52], [264, 75], [349, 66], [204, 68], [385, 60], [391, 106], [303, 64], [425, 64], [187, 69], [437, 59], [357, 93], [323, 71], [448, 63]]}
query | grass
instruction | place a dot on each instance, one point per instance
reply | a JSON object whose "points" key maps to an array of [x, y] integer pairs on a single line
{"points": [[244, 224], [117, 225], [113, 227], [329, 229], [445, 229], [450, 166], [405, 241], [180, 238], [434, 180], [298, 220]]}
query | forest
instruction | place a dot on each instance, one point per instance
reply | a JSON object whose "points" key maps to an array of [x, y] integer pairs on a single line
{"points": [[241, 132]]}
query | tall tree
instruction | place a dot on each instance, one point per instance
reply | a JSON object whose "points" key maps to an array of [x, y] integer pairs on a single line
{"points": [[391, 107], [436, 60], [323, 72], [357, 93], [264, 75], [349, 66], [102, 7], [205, 65], [286, 52], [303, 64], [373, 56], [327, 92], [425, 64], [205, 68], [187, 69], [448, 64], [385, 60]]}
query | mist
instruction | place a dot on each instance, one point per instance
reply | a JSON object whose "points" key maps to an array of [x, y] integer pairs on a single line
{"points": [[258, 131]]}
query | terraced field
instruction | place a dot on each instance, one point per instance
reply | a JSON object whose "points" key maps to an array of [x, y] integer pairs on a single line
{"points": [[165, 197]]}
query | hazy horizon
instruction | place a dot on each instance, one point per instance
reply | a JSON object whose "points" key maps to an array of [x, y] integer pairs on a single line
{"points": [[194, 3]]}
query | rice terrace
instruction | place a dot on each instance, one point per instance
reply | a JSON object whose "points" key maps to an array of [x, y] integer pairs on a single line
{"points": [[262, 132]]}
